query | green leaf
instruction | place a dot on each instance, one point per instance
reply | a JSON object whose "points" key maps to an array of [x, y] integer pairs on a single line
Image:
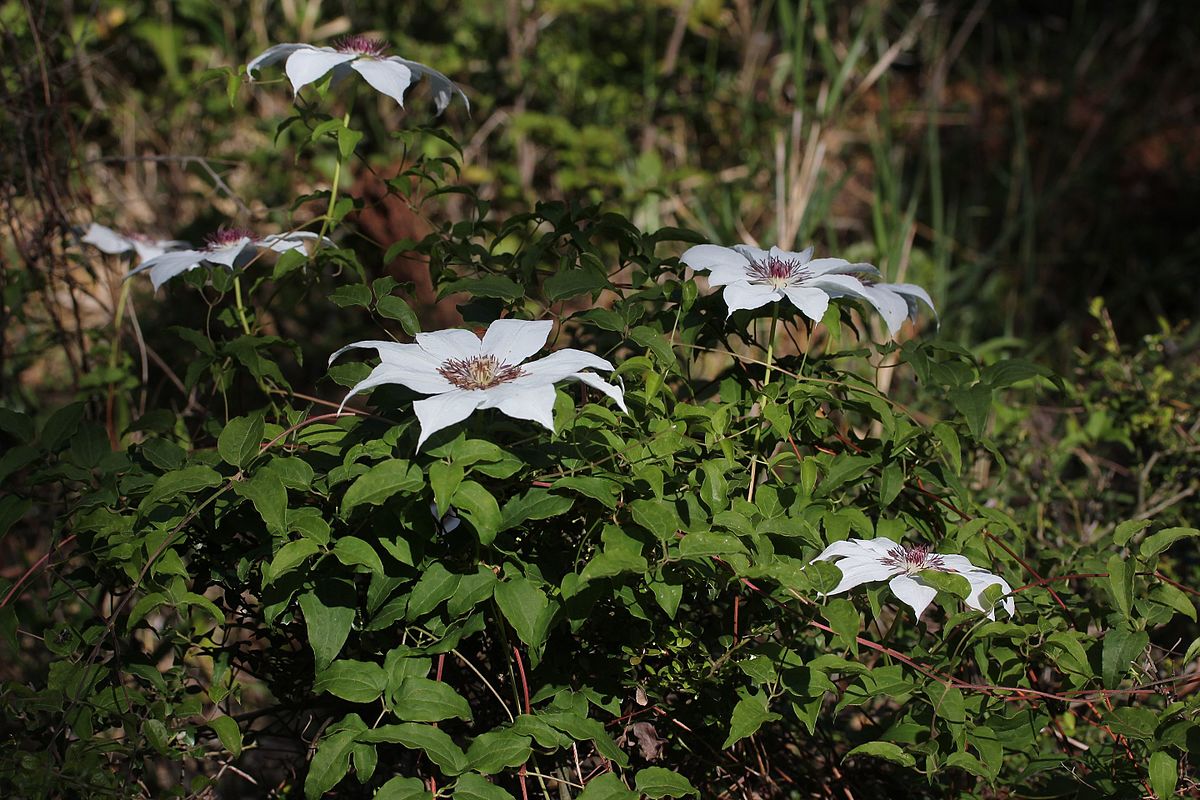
{"points": [[267, 494], [1164, 774], [607, 787], [494, 751], [703, 545], [356, 681], [885, 750], [1128, 529], [473, 589], [444, 480], [425, 700], [435, 743], [1153, 545], [970, 763], [12, 508], [1120, 582], [183, 481], [473, 786], [748, 716], [534, 504], [381, 482], [485, 286], [352, 551], [61, 425], [330, 763], [396, 308], [974, 403], [573, 282], [351, 294], [526, 608], [328, 614], [657, 516], [16, 424], [239, 443], [655, 782], [480, 509], [436, 585], [228, 732], [1121, 647], [15, 458], [290, 556], [399, 788], [843, 618], [580, 728]]}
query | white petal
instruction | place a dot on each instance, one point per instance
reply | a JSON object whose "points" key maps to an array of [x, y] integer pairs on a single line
{"points": [[751, 253], [560, 365], [913, 593], [812, 302], [228, 255], [514, 340], [861, 568], [909, 291], [851, 548], [451, 343], [407, 364], [890, 305], [535, 402], [748, 295], [956, 563], [802, 257], [836, 266], [282, 243], [448, 521], [106, 240], [386, 77], [148, 250], [443, 88], [166, 266], [435, 413], [880, 545], [981, 580], [308, 65], [272, 54], [596, 382], [707, 256], [724, 274]]}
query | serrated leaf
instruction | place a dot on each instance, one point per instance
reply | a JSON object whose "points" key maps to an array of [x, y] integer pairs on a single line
{"points": [[240, 441], [656, 782]]}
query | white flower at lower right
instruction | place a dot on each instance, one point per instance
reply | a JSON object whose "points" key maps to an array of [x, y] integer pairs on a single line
{"points": [[867, 560]]}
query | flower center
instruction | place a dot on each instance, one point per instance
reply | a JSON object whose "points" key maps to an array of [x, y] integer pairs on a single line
{"points": [[224, 237], [778, 273], [913, 559], [361, 45], [478, 372]]}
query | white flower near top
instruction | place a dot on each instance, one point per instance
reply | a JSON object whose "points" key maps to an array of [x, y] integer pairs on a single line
{"points": [[228, 247], [106, 240], [909, 293], [464, 373], [390, 75], [868, 560]]}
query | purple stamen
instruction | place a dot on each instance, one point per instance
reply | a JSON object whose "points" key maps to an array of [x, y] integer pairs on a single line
{"points": [[913, 559], [361, 45], [225, 237], [777, 272], [479, 372]]}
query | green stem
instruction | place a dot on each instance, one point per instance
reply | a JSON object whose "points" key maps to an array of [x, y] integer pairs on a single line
{"points": [[241, 306], [762, 400], [337, 179], [115, 351]]}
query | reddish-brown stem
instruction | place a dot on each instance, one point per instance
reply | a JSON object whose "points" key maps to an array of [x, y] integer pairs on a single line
{"points": [[34, 567]]}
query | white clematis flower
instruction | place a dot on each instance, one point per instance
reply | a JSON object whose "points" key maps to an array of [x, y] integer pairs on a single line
{"points": [[228, 247], [753, 277], [106, 240], [909, 293], [868, 560], [390, 75], [464, 373]]}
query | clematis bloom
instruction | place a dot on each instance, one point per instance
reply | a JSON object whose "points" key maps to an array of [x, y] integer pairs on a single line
{"points": [[753, 277], [106, 240], [389, 75], [868, 560], [464, 372], [228, 247]]}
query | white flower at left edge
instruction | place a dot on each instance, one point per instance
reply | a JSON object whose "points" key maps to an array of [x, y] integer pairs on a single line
{"points": [[228, 247], [868, 560], [106, 240], [753, 277], [390, 75], [465, 373]]}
